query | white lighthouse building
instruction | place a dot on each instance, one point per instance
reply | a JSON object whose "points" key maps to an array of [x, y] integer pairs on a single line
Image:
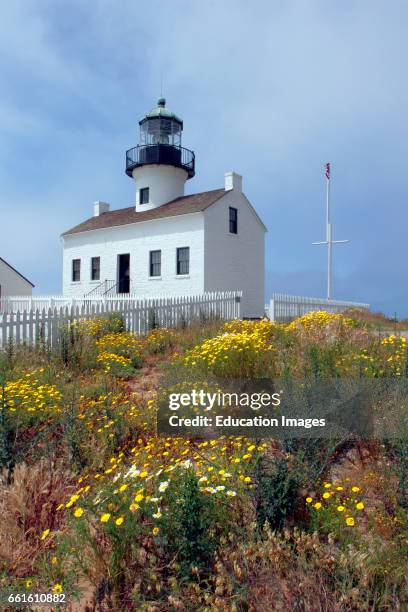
{"points": [[168, 243]]}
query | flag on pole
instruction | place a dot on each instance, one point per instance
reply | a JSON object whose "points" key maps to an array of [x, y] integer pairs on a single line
{"points": [[328, 171]]}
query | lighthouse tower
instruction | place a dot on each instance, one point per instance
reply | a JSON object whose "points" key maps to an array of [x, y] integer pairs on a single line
{"points": [[159, 164]]}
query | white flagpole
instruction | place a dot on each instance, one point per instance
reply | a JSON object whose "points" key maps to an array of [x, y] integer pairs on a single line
{"points": [[329, 237]]}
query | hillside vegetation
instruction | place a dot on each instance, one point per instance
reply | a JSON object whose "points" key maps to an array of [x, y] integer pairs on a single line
{"points": [[377, 320], [95, 504]]}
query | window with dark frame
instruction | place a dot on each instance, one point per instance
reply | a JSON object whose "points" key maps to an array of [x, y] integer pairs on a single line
{"points": [[155, 263], [76, 270], [233, 220], [183, 260], [144, 195], [95, 268]]}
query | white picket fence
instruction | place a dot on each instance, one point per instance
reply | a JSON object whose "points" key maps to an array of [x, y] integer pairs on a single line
{"points": [[283, 308], [35, 326], [15, 303]]}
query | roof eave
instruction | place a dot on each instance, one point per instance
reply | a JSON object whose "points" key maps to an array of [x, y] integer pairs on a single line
{"points": [[98, 229], [220, 195]]}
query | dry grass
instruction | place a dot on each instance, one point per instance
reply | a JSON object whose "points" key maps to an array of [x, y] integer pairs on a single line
{"points": [[28, 507], [377, 320], [295, 571]]}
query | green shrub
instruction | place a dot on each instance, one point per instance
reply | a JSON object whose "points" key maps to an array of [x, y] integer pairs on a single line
{"points": [[190, 526], [276, 491]]}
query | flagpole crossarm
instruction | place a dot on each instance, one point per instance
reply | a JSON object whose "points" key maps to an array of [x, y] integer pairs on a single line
{"points": [[329, 242]]}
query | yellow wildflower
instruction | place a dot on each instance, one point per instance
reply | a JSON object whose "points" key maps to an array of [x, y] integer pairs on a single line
{"points": [[45, 534]]}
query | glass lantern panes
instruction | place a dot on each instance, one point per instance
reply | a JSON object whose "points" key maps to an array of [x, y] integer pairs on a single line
{"points": [[159, 130]]}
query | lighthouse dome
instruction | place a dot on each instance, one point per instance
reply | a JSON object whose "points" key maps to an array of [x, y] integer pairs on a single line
{"points": [[161, 111]]}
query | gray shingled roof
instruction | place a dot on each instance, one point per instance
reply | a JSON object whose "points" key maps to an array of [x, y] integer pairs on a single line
{"points": [[125, 216]]}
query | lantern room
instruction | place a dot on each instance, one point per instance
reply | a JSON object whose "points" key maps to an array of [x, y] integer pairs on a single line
{"points": [[160, 142], [161, 126]]}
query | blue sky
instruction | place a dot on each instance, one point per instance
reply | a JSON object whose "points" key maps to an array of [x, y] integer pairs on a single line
{"points": [[271, 89]]}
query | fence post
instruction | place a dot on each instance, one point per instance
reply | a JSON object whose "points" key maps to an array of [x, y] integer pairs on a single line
{"points": [[272, 309]]}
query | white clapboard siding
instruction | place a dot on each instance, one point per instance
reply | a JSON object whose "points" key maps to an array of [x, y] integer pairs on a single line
{"points": [[42, 325]]}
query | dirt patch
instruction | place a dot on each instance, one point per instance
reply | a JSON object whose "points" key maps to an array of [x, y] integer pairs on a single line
{"points": [[148, 378], [87, 601]]}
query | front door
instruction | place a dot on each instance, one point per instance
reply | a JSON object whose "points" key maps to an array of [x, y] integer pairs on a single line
{"points": [[124, 273]]}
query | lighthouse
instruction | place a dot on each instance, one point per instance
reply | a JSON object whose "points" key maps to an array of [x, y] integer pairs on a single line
{"points": [[159, 165], [168, 243]]}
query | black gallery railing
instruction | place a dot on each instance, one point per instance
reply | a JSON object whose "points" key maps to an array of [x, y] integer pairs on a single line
{"points": [[160, 154]]}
